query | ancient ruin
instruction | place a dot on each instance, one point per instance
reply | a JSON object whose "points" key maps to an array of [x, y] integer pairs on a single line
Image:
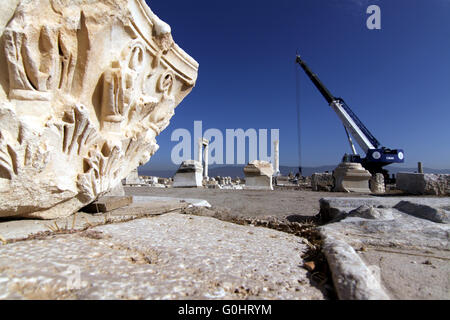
{"points": [[189, 175], [424, 184], [87, 87], [322, 182], [351, 177], [258, 175], [276, 162], [203, 149], [377, 184]]}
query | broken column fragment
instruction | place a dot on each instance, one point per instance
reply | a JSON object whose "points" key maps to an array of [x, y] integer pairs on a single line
{"points": [[377, 183], [189, 175], [276, 164], [258, 175], [86, 88], [351, 177]]}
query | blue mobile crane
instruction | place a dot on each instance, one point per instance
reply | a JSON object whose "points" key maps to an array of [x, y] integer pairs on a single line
{"points": [[376, 156]]}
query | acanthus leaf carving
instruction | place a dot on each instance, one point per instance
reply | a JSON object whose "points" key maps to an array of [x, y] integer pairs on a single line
{"points": [[91, 85], [20, 149], [101, 169], [77, 132]]}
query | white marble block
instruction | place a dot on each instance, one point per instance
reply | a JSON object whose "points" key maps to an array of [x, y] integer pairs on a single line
{"points": [[258, 175], [189, 175], [424, 184]]}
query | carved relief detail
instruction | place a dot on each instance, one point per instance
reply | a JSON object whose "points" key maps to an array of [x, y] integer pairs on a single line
{"points": [[40, 58], [17, 152], [91, 85], [77, 132], [122, 84], [101, 168]]}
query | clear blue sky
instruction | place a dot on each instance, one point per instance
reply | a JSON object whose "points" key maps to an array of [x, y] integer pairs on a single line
{"points": [[397, 79]]}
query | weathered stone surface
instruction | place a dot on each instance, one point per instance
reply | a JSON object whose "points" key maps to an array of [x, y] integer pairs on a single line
{"points": [[133, 178], [433, 209], [351, 177], [322, 182], [424, 211], [377, 184], [106, 204], [370, 212], [168, 257], [212, 184], [387, 232], [258, 175], [423, 184], [189, 175], [353, 280], [86, 86], [116, 191]]}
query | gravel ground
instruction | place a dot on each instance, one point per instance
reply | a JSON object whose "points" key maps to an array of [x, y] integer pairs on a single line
{"points": [[249, 203]]}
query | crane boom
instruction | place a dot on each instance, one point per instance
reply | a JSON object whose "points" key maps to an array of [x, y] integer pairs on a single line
{"points": [[376, 156], [315, 79]]}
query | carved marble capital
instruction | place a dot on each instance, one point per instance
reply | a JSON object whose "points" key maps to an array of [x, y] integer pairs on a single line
{"points": [[85, 88]]}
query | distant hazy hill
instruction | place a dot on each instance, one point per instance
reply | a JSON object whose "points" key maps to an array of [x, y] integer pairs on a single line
{"points": [[238, 171], [425, 170], [308, 171]]}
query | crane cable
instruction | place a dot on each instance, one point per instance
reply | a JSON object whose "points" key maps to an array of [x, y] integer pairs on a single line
{"points": [[297, 91]]}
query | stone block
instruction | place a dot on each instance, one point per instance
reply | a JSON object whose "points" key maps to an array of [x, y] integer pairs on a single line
{"points": [[258, 175], [433, 209], [352, 279], [106, 204], [351, 177], [258, 183], [424, 184], [322, 182], [189, 175], [373, 213]]}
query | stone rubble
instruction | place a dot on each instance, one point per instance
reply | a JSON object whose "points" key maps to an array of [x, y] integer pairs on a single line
{"points": [[133, 179], [352, 278], [322, 182]]}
